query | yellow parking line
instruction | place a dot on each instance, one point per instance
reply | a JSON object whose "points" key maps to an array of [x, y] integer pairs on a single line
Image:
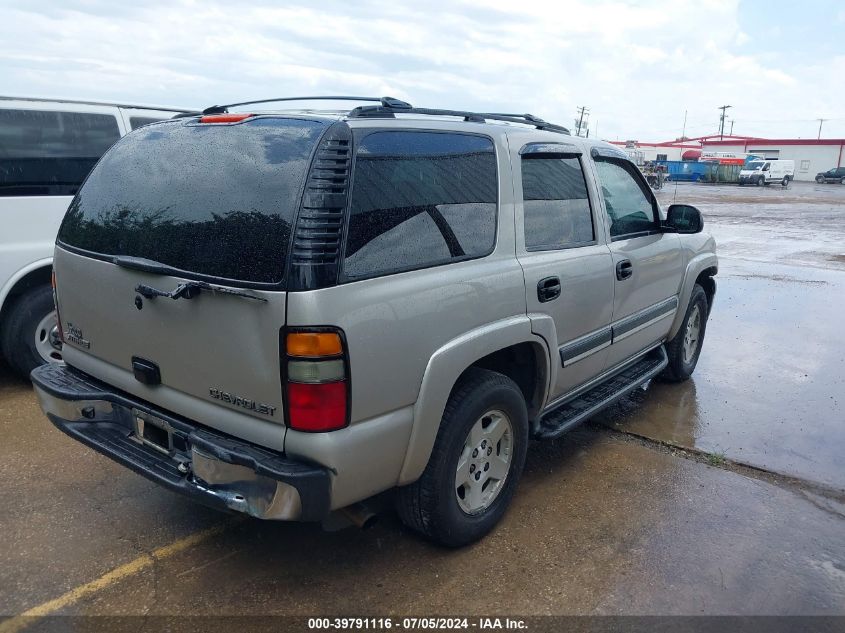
{"points": [[15, 624]]}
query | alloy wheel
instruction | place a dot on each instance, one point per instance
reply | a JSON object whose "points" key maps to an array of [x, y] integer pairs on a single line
{"points": [[485, 462]]}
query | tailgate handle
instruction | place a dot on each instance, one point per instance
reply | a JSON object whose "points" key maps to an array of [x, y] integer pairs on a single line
{"points": [[146, 371]]}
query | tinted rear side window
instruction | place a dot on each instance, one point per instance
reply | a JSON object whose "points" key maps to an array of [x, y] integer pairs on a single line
{"points": [[420, 199], [556, 206], [44, 153], [213, 200]]}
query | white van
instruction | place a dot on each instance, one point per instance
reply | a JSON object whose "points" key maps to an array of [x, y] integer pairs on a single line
{"points": [[764, 172], [47, 148]]}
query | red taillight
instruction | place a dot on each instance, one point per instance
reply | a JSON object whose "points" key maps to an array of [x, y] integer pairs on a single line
{"points": [[224, 118], [316, 407], [56, 305], [315, 368]]}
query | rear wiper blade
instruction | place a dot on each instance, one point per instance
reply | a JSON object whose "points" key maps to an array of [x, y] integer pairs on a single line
{"points": [[191, 289], [186, 290], [145, 265]]}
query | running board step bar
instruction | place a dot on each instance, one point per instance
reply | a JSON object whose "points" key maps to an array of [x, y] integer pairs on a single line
{"points": [[572, 413]]}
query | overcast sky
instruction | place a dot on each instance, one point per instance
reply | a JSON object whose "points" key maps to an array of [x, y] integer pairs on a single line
{"points": [[637, 65]]}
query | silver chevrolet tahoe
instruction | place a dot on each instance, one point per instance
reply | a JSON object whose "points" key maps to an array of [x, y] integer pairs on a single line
{"points": [[285, 313]]}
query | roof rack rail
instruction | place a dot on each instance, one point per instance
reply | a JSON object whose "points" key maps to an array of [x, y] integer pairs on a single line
{"points": [[388, 107], [387, 102], [388, 111]]}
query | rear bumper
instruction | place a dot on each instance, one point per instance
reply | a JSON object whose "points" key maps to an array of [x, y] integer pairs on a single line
{"points": [[214, 469]]}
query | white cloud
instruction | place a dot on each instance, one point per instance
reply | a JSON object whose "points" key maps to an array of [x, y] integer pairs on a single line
{"points": [[637, 67]]}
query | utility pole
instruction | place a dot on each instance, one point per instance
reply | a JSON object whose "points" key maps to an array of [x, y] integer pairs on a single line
{"points": [[820, 127], [732, 128], [581, 121], [722, 120]]}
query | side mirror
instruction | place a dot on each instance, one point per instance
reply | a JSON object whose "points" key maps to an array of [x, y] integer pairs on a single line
{"points": [[683, 218]]}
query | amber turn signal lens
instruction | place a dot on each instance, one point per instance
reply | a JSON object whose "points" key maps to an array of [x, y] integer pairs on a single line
{"points": [[314, 344]]}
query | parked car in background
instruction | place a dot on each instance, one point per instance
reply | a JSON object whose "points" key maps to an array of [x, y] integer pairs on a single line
{"points": [[832, 175], [765, 172], [304, 309], [47, 148]]}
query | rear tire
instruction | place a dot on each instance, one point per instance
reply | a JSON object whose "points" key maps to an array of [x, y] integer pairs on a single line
{"points": [[26, 331], [435, 505], [761, 181], [785, 181], [683, 356]]}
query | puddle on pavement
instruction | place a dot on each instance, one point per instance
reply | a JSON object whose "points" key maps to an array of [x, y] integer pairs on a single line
{"points": [[769, 388], [803, 224]]}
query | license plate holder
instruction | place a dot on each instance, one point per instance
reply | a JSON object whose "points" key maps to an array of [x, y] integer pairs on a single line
{"points": [[153, 431]]}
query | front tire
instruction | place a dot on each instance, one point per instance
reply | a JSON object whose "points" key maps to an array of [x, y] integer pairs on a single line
{"points": [[685, 348], [475, 464], [29, 332], [820, 180], [761, 181]]}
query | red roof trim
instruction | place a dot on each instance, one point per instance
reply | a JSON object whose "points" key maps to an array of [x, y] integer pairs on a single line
{"points": [[679, 144], [779, 141], [736, 141], [696, 142]]}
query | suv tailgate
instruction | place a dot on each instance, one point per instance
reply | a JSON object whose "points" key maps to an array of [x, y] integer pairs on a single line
{"points": [[217, 354]]}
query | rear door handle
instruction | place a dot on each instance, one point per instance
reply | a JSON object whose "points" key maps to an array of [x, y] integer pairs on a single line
{"points": [[624, 269], [548, 289]]}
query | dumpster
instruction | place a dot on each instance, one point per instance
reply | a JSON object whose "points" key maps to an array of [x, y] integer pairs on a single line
{"points": [[685, 170]]}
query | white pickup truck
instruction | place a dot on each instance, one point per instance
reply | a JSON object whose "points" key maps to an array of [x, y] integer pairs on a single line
{"points": [[47, 148]]}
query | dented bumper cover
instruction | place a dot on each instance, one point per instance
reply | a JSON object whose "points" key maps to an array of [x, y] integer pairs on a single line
{"points": [[216, 470]]}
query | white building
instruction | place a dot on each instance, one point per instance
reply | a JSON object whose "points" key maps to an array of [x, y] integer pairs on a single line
{"points": [[811, 156]]}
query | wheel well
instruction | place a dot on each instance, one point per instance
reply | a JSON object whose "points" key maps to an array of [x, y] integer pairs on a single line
{"points": [[524, 364], [34, 278], [706, 281]]}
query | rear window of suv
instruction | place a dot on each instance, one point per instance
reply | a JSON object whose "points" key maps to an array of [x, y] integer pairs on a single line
{"points": [[420, 199], [212, 200]]}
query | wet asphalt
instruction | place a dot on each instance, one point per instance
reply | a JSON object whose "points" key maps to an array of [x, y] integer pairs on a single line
{"points": [[722, 495]]}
